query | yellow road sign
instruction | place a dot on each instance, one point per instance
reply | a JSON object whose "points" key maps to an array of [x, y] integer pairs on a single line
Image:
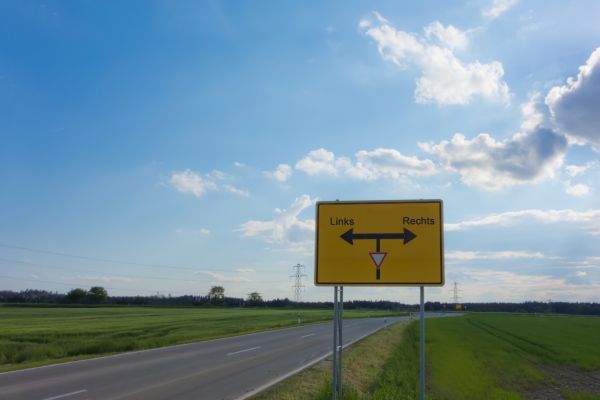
{"points": [[379, 243]]}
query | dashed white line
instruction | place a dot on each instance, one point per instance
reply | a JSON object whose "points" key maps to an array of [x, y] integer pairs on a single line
{"points": [[61, 396], [310, 334], [243, 351]]}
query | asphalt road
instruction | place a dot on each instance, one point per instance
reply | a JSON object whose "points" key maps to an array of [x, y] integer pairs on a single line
{"points": [[230, 368]]}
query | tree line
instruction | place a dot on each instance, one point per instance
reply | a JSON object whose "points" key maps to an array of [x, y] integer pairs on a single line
{"points": [[216, 297]]}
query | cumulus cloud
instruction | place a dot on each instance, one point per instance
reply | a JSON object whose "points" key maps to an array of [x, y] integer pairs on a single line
{"points": [[589, 220], [574, 106], [498, 7], [577, 190], [445, 79], [368, 165], [448, 36], [575, 170], [532, 116], [490, 164], [285, 227], [281, 174], [188, 181]]}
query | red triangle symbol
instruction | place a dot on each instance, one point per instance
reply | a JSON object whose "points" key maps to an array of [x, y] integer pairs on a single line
{"points": [[377, 257]]}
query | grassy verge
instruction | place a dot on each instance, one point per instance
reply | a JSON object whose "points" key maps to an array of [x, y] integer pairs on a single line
{"points": [[363, 363], [38, 336]]}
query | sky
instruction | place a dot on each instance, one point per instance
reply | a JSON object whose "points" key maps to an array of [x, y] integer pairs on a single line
{"points": [[159, 147]]}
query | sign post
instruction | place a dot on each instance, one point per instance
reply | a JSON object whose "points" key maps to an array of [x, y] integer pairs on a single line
{"points": [[422, 344], [378, 243]]}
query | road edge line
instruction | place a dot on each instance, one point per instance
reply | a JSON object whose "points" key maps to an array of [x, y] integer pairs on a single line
{"points": [[275, 381]]}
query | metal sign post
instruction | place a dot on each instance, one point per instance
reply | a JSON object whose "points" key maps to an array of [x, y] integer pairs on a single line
{"points": [[335, 346], [338, 324], [422, 347], [341, 343]]}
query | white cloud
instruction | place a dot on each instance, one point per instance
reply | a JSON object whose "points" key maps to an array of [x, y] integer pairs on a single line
{"points": [[281, 174], [489, 164], [498, 7], [190, 182], [589, 220], [204, 231], [581, 274], [234, 190], [574, 170], [444, 78], [493, 255], [448, 36], [369, 165], [221, 278], [215, 174], [499, 285], [239, 164], [285, 227], [321, 161], [532, 116], [574, 106], [577, 190]]}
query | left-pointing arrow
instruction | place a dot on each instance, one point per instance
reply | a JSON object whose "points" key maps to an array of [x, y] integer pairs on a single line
{"points": [[349, 236]]}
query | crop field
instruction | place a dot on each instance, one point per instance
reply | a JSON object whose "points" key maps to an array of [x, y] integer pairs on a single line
{"points": [[504, 356], [31, 336]]}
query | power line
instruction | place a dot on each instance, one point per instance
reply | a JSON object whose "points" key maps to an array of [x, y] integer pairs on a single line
{"points": [[101, 259], [98, 259], [161, 278]]}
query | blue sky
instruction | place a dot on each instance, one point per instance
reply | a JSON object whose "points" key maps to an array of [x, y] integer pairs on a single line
{"points": [[171, 146]]}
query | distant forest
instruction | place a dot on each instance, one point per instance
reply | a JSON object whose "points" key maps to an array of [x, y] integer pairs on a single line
{"points": [[42, 297]]}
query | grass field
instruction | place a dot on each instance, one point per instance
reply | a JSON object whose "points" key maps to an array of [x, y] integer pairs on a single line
{"points": [[504, 356], [478, 356], [31, 336]]}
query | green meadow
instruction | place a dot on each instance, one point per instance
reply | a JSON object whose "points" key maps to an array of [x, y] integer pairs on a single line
{"points": [[508, 356], [32, 336]]}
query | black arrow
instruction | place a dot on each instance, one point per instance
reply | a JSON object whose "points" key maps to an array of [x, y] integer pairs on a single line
{"points": [[350, 236]]}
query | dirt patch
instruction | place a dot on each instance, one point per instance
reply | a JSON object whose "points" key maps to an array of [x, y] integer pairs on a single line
{"points": [[564, 379]]}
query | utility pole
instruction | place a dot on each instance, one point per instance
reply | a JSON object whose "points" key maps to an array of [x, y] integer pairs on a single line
{"points": [[298, 285]]}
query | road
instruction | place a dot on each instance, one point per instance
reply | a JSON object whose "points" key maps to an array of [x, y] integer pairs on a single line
{"points": [[229, 368]]}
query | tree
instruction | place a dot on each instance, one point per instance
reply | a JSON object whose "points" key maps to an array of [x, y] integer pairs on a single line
{"points": [[97, 294], [76, 295], [254, 299], [217, 292]]}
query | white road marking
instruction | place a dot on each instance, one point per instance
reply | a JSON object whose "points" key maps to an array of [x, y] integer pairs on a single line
{"points": [[60, 396], [310, 334], [243, 351]]}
